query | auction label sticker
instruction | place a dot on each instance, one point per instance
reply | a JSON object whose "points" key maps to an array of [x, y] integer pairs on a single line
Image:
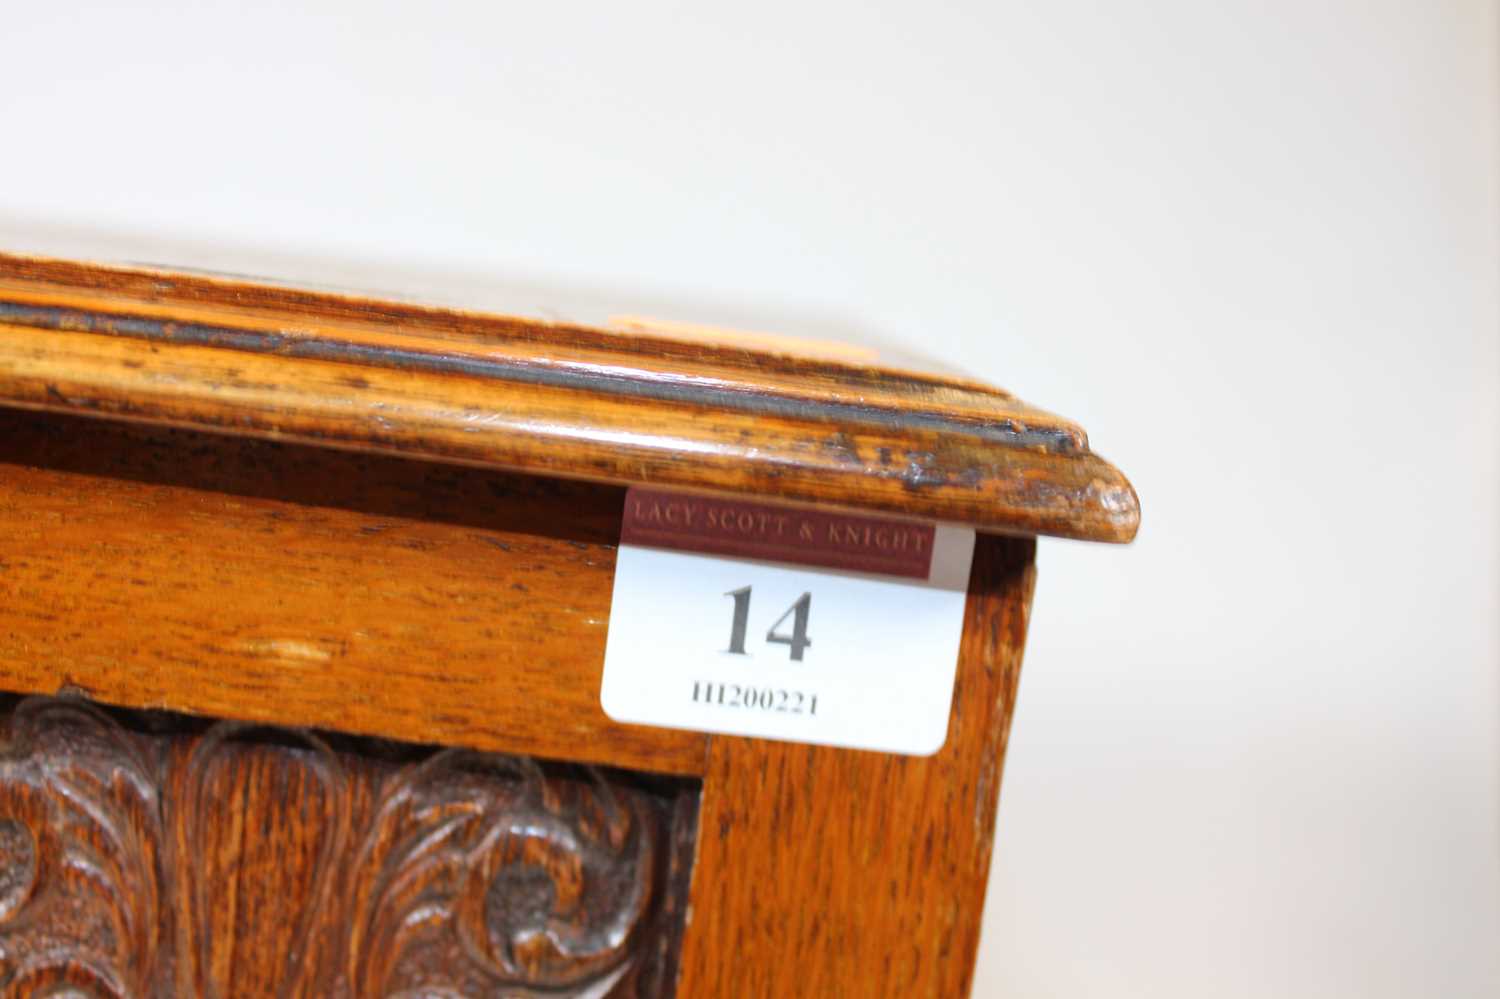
{"points": [[747, 618]]}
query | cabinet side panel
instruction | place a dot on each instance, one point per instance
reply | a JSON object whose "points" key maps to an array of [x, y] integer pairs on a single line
{"points": [[829, 872]]}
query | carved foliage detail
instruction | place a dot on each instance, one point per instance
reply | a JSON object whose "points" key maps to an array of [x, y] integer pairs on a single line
{"points": [[478, 873], [80, 856], [287, 841], [247, 861]]}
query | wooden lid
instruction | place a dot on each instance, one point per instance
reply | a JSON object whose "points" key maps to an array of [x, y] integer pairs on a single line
{"points": [[648, 402]]}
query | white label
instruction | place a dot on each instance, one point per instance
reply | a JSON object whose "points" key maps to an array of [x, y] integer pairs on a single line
{"points": [[749, 647]]}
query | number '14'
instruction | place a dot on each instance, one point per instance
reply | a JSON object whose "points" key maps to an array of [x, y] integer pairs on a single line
{"points": [[798, 639]]}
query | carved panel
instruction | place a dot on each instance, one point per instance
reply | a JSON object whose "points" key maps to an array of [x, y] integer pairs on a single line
{"points": [[158, 856]]}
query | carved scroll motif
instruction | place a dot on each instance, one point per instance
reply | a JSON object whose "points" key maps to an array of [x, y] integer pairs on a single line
{"points": [[478, 873], [242, 861], [80, 856]]}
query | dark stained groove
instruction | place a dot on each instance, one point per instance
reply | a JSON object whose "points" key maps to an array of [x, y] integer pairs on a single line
{"points": [[1004, 432]]}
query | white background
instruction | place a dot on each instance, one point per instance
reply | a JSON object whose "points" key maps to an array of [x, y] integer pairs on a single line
{"points": [[1252, 246]]}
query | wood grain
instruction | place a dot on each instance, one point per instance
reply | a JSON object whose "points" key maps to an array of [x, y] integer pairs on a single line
{"points": [[156, 856], [830, 872], [234, 578], [341, 517], [550, 399]]}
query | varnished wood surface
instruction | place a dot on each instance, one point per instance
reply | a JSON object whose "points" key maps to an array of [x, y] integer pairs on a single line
{"points": [[218, 576], [830, 872], [234, 357], [208, 504], [154, 856]]}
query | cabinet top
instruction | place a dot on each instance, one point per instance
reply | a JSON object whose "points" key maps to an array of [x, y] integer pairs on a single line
{"points": [[643, 402]]}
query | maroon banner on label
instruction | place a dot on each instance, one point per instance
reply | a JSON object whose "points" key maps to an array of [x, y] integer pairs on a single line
{"points": [[743, 529]]}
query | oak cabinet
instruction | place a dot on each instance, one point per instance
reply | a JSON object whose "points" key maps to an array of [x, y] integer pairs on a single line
{"points": [[303, 606]]}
